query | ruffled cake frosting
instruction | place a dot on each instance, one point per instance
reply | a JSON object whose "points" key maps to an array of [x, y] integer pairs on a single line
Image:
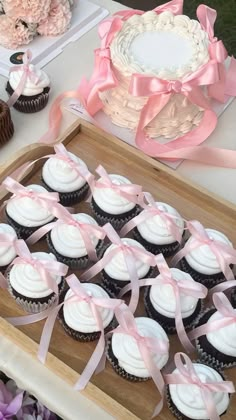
{"points": [[7, 252], [34, 84]]}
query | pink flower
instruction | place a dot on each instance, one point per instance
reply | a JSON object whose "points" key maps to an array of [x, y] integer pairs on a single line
{"points": [[30, 11], [13, 33], [10, 404], [58, 20]]}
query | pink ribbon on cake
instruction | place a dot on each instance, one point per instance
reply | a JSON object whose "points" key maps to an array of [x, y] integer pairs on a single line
{"points": [[80, 295], [174, 6], [131, 254], [224, 253], [188, 376], [130, 192], [48, 200], [27, 73], [152, 210], [44, 267], [148, 347], [179, 287], [222, 287], [224, 307], [86, 230]]}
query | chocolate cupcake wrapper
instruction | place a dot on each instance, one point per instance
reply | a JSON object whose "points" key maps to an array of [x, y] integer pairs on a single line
{"points": [[117, 222], [70, 198], [73, 263], [169, 323], [30, 105], [167, 250], [6, 124], [23, 232], [208, 281], [118, 369]]}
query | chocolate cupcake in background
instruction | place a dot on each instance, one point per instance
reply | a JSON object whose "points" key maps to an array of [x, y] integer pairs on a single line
{"points": [[7, 250], [6, 124]]}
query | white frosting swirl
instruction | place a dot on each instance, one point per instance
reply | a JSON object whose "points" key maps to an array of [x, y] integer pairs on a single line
{"points": [[126, 350], [59, 175], [33, 85], [223, 339], [202, 258], [7, 252], [67, 239], [117, 268], [27, 281], [27, 211], [188, 398], [110, 200], [155, 229], [163, 298], [79, 316]]}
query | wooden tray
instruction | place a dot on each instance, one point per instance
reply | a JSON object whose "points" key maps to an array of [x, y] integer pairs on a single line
{"points": [[122, 399]]}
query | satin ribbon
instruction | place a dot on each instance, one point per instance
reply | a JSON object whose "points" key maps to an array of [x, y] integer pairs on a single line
{"points": [[217, 51], [152, 210], [48, 200], [27, 73], [44, 267], [86, 230], [130, 254], [174, 6], [130, 192], [179, 287], [224, 307], [224, 253], [148, 347], [188, 376], [80, 295], [222, 287]]}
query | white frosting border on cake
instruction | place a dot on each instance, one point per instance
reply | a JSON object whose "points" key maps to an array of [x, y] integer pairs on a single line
{"points": [[223, 339]]}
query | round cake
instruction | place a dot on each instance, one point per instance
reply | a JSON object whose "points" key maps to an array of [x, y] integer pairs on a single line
{"points": [[202, 264], [165, 46], [155, 235], [125, 357], [110, 206], [115, 274], [160, 302], [185, 400], [59, 175], [67, 243], [7, 251], [77, 317]]}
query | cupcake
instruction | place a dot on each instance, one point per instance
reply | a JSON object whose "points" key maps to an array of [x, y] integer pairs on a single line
{"points": [[218, 347], [160, 301], [29, 208], [6, 124], [77, 317], [124, 355], [185, 399], [68, 240], [34, 94], [8, 238], [114, 199], [66, 174], [160, 230], [28, 280], [116, 275], [201, 261]]}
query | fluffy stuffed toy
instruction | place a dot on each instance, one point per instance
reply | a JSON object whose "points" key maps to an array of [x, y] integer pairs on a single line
{"points": [[22, 20]]}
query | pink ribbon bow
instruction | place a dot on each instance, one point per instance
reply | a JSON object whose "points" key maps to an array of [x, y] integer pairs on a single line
{"points": [[44, 267], [174, 6], [27, 74], [86, 230], [152, 210], [48, 200], [224, 307], [224, 253], [188, 376], [130, 254], [159, 93], [97, 359], [179, 287], [148, 347], [130, 192]]}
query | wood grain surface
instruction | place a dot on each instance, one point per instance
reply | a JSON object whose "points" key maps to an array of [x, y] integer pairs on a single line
{"points": [[95, 147]]}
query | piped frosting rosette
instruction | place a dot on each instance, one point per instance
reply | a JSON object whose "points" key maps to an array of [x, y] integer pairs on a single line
{"points": [[197, 391], [8, 238]]}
